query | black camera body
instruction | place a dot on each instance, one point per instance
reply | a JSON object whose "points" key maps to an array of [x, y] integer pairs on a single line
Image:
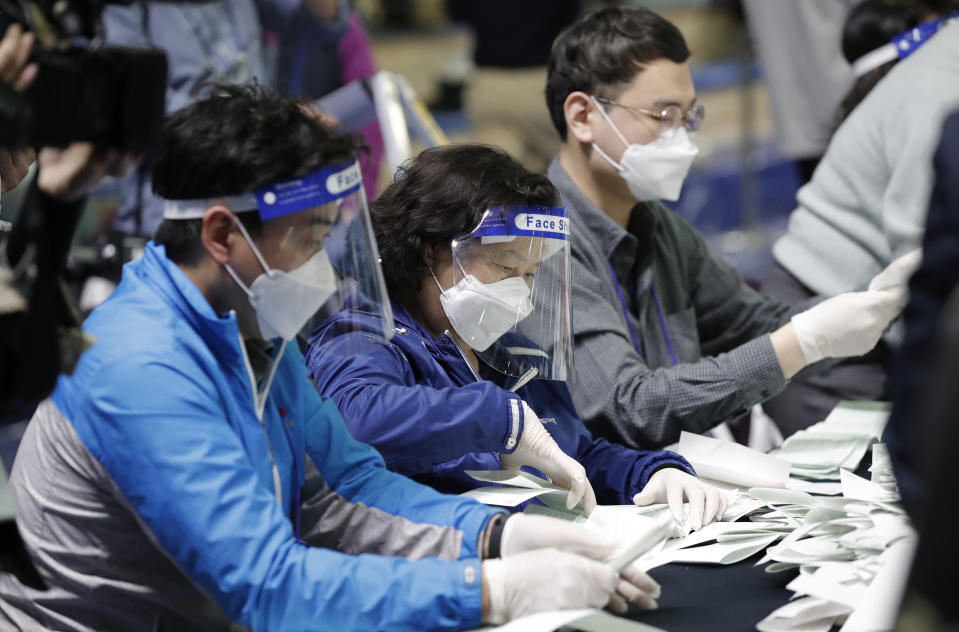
{"points": [[111, 96]]}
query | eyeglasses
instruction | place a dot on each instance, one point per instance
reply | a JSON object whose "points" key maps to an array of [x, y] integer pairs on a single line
{"points": [[669, 117]]}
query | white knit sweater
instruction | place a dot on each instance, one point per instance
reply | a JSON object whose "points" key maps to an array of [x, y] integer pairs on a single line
{"points": [[867, 201]]}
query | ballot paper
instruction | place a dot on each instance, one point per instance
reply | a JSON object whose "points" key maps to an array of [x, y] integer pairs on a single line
{"points": [[807, 614], [585, 620], [853, 552], [838, 442], [514, 488], [732, 463], [878, 608]]}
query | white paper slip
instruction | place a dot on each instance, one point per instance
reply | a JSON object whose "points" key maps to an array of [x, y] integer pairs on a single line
{"points": [[858, 488], [878, 608], [508, 496], [585, 620], [803, 615], [827, 488], [866, 417], [833, 581], [656, 532], [511, 478], [721, 552], [732, 463]]}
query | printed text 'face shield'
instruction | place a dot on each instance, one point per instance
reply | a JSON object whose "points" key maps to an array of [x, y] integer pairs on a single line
{"points": [[314, 245], [510, 298]]}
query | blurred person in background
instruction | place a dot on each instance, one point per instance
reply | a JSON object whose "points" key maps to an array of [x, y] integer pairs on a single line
{"points": [[504, 90], [667, 336], [797, 43], [866, 204], [323, 45]]}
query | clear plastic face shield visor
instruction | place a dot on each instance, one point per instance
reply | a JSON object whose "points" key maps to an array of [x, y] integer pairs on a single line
{"points": [[510, 297], [314, 246]]}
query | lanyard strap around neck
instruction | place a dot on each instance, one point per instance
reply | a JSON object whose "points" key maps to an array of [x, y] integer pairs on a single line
{"points": [[622, 302], [629, 325]]}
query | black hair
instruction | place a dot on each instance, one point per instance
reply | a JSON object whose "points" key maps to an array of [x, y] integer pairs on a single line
{"points": [[869, 25], [605, 49], [441, 195], [229, 142]]}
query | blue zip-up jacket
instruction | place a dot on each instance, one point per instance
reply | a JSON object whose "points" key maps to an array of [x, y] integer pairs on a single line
{"points": [[164, 402], [416, 399]]}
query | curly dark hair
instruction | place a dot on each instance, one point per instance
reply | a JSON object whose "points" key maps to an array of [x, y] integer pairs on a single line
{"points": [[605, 49], [231, 141], [441, 195]]}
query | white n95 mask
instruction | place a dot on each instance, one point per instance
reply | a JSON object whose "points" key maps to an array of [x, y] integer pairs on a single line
{"points": [[285, 301], [656, 170], [482, 313]]}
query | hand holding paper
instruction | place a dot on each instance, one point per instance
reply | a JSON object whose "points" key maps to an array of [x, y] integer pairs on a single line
{"points": [[537, 449], [671, 485], [542, 580]]}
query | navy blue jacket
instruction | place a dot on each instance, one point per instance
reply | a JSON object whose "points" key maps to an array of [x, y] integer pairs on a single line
{"points": [[416, 400], [929, 288]]}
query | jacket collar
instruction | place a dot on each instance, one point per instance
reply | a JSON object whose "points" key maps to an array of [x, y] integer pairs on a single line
{"points": [[221, 332]]}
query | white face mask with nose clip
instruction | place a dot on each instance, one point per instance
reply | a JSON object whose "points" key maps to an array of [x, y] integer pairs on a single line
{"points": [[481, 313], [285, 301], [656, 170]]}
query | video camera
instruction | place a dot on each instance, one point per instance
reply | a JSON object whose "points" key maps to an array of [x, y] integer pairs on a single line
{"points": [[84, 90]]}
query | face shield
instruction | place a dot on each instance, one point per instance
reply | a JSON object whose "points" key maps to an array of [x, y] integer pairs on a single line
{"points": [[314, 245], [510, 297]]}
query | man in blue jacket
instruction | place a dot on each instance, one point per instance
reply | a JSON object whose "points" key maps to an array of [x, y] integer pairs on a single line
{"points": [[476, 261], [188, 476]]}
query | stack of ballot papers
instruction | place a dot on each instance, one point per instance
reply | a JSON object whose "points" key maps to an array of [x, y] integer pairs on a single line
{"points": [[838, 442], [852, 553]]}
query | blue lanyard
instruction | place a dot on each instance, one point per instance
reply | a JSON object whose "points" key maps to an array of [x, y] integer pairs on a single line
{"points": [[629, 325]]}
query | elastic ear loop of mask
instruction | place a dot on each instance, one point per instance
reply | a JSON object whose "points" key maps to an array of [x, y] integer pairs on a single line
{"points": [[436, 281], [256, 253], [619, 135]]}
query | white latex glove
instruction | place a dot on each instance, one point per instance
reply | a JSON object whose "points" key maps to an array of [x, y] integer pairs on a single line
{"points": [[847, 324], [537, 449], [671, 485], [897, 273], [525, 532], [547, 579]]}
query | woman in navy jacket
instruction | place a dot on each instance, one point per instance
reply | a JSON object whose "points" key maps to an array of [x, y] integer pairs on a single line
{"points": [[425, 399]]}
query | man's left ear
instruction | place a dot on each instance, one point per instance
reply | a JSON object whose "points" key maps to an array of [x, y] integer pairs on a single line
{"points": [[219, 226], [578, 109]]}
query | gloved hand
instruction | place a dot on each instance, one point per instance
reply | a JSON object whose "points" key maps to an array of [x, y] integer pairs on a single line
{"points": [[537, 449], [547, 579], [670, 485], [897, 273], [847, 324], [524, 532]]}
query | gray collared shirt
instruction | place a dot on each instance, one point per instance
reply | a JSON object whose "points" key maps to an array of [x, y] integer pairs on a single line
{"points": [[681, 302]]}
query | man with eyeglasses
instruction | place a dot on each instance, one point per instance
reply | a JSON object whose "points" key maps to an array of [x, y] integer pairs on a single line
{"points": [[667, 336]]}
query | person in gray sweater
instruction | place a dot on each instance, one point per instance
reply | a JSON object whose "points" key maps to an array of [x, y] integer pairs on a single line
{"points": [[865, 206]]}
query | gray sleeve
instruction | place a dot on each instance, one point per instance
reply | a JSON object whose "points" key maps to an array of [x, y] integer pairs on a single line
{"points": [[621, 398], [330, 521]]}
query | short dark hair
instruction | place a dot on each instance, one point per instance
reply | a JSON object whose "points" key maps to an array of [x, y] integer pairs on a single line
{"points": [[441, 195], [869, 25], [231, 141], [605, 49]]}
